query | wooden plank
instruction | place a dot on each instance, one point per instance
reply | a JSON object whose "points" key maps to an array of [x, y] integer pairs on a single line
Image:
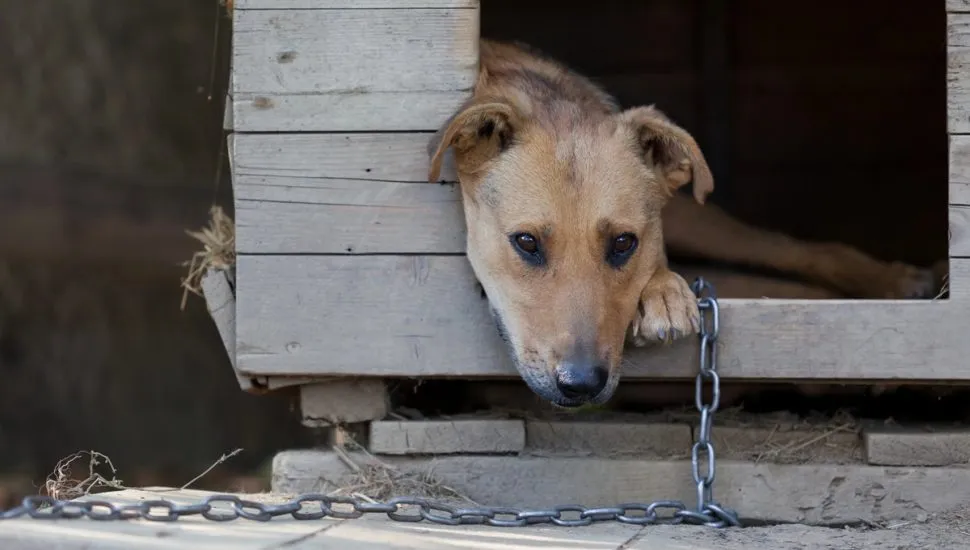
{"points": [[221, 303], [958, 280], [960, 170], [957, 6], [342, 401], [958, 73], [894, 446], [348, 216], [227, 114], [351, 69], [354, 51], [811, 494], [959, 231], [325, 193], [609, 438], [309, 316], [395, 157], [350, 4], [438, 437], [381, 111]]}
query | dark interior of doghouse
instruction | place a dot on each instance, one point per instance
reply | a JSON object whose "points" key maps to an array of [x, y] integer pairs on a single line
{"points": [[826, 122]]}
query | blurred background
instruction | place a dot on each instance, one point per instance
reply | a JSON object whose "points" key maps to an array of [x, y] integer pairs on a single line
{"points": [[111, 147]]}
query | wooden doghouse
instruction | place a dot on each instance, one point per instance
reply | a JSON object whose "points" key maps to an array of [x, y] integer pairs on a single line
{"points": [[350, 264]]}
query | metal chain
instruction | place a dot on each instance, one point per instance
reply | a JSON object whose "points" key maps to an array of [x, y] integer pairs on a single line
{"points": [[316, 506]]}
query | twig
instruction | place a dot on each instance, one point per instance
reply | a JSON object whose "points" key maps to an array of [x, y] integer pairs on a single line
{"points": [[222, 459]]}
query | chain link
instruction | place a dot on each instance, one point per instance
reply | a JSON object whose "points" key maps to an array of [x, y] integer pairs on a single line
{"points": [[314, 506]]}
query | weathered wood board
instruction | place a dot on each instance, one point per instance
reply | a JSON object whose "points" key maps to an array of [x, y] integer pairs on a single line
{"points": [[350, 4], [424, 316], [959, 231], [960, 170], [342, 401], [368, 193], [895, 446], [812, 494], [958, 73], [348, 68], [438, 437]]}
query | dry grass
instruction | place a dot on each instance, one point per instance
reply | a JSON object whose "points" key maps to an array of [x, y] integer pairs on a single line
{"points": [[62, 484], [944, 288], [374, 479], [218, 251]]}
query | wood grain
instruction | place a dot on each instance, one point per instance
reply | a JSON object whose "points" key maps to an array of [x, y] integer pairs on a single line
{"points": [[347, 217], [958, 73], [342, 193], [322, 69], [422, 316], [377, 111], [959, 231], [895, 446], [452, 436], [958, 5], [960, 170], [401, 157], [350, 4], [959, 279]]}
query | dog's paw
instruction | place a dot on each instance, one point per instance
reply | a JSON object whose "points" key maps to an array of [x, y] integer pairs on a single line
{"points": [[667, 311], [903, 281]]}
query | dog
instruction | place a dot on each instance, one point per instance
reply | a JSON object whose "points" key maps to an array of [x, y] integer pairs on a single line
{"points": [[571, 204]]}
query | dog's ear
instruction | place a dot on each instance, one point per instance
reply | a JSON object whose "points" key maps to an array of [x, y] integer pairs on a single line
{"points": [[477, 133], [671, 149]]}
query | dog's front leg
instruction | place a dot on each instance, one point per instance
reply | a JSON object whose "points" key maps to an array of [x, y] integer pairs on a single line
{"points": [[667, 310]]}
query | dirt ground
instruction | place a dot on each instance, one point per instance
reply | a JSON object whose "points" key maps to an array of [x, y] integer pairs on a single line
{"points": [[943, 532]]}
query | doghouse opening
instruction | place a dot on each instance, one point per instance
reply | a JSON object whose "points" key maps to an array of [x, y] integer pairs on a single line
{"points": [[824, 121]]}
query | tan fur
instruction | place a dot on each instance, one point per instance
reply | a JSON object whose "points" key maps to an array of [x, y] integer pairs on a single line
{"points": [[542, 150]]}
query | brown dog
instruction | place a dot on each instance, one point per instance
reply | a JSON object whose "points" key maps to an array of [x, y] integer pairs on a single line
{"points": [[569, 203]]}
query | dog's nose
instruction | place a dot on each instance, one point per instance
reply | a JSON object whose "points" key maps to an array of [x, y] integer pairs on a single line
{"points": [[581, 381]]}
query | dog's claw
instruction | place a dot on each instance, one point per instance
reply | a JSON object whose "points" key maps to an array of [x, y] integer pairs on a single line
{"points": [[667, 311]]}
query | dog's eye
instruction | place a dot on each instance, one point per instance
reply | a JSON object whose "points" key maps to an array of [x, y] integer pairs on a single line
{"points": [[528, 247], [621, 249], [624, 243], [526, 243]]}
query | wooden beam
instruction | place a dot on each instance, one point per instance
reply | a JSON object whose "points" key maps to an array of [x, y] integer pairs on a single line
{"points": [[960, 170], [350, 4], [957, 6], [453, 436], [896, 446], [959, 231], [422, 316], [809, 494], [958, 73], [351, 69]]}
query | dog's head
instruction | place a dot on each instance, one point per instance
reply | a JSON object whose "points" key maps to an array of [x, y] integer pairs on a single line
{"points": [[564, 229]]}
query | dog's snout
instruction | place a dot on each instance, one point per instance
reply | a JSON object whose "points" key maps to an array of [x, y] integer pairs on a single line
{"points": [[581, 380]]}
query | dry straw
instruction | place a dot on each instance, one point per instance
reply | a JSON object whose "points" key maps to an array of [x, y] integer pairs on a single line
{"points": [[218, 251]]}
